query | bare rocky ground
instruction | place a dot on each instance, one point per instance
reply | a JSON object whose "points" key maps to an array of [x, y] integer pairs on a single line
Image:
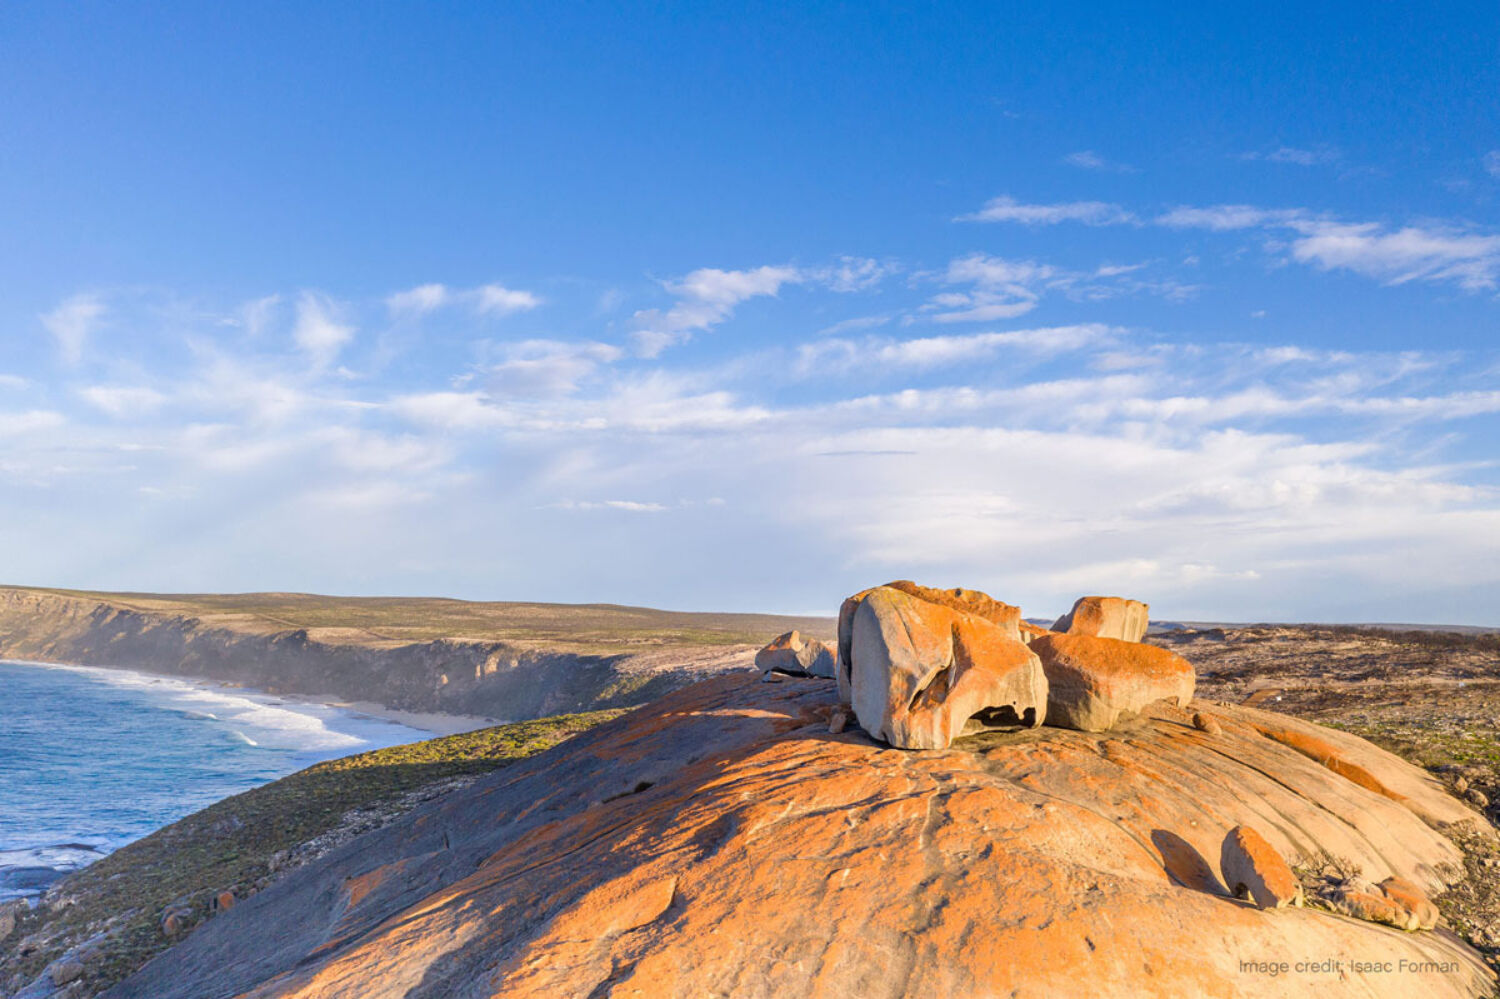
{"points": [[1431, 697]]}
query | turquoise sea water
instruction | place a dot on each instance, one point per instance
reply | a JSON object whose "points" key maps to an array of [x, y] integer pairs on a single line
{"points": [[91, 759]]}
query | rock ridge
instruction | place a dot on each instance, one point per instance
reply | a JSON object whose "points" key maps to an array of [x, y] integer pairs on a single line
{"points": [[721, 841]]}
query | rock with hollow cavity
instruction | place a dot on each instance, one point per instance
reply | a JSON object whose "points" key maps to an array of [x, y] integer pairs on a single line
{"points": [[1091, 681], [923, 667], [968, 601], [771, 860], [1106, 617], [1252, 868], [797, 656]]}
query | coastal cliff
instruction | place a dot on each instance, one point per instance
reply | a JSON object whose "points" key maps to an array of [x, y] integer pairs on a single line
{"points": [[402, 659]]}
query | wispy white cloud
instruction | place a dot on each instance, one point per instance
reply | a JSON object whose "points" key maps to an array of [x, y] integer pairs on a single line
{"points": [[1299, 157], [29, 422], [1008, 209], [854, 323], [256, 317], [1222, 218], [498, 300], [487, 299], [706, 298], [1433, 252], [319, 332], [629, 506], [1087, 159], [123, 401], [422, 298], [1001, 289], [854, 274], [1492, 162], [839, 355], [539, 368], [72, 322], [460, 411], [1413, 253]]}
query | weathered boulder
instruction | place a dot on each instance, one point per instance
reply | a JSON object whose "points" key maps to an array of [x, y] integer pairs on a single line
{"points": [[1408, 896], [1252, 868], [1205, 723], [1106, 617], [925, 666], [797, 656], [1092, 681], [68, 969], [968, 601], [766, 858], [1361, 900], [175, 919]]}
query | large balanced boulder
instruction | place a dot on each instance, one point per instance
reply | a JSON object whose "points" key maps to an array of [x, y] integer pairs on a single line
{"points": [[1091, 681], [720, 842], [797, 656], [922, 666], [1106, 617]]}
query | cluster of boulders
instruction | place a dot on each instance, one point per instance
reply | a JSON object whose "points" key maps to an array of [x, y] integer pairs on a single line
{"points": [[921, 666], [918, 667]]}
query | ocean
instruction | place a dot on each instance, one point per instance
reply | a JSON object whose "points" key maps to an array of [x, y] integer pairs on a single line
{"points": [[91, 759]]}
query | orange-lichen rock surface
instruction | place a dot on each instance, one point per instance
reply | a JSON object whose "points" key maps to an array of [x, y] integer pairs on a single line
{"points": [[1106, 617], [720, 842], [924, 666], [968, 601], [1252, 868], [1091, 681]]}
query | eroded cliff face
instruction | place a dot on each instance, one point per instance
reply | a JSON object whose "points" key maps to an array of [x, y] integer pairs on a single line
{"points": [[487, 678]]}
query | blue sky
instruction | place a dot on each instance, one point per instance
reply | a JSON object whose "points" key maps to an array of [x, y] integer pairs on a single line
{"points": [[746, 308]]}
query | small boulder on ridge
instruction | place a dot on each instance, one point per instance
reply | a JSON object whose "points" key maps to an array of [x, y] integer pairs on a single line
{"points": [[1106, 617], [798, 656], [1091, 681]]}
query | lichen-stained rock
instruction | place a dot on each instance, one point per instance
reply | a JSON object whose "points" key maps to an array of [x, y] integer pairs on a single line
{"points": [[1361, 900], [1252, 867], [767, 858], [1091, 681], [923, 671], [798, 656], [1106, 617], [1411, 898], [967, 601]]}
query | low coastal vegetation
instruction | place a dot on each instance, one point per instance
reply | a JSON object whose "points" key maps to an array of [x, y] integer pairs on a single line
{"points": [[118, 913]]}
